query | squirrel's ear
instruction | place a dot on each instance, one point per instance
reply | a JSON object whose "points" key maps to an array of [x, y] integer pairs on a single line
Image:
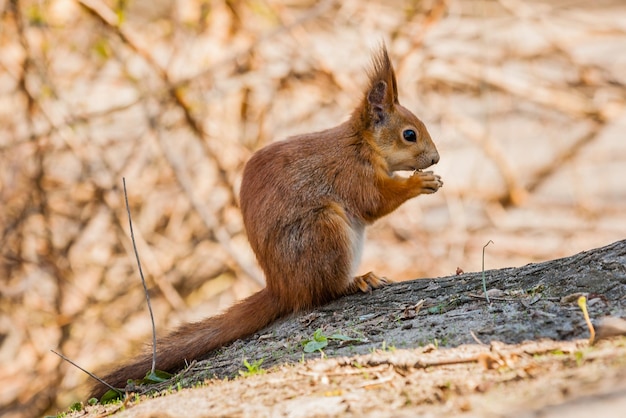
{"points": [[383, 91], [377, 99]]}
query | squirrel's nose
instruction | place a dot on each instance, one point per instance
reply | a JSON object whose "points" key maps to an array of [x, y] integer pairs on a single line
{"points": [[435, 159]]}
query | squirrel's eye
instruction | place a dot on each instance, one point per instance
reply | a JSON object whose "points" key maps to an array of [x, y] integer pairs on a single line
{"points": [[409, 135]]}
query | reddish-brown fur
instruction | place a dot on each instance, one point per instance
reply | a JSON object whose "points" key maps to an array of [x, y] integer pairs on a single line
{"points": [[305, 203]]}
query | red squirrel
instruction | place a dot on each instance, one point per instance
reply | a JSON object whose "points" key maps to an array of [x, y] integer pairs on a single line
{"points": [[305, 203]]}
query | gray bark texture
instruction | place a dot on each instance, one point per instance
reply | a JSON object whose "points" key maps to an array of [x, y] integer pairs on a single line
{"points": [[533, 302]]}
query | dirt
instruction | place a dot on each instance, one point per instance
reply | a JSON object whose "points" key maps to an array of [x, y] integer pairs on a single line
{"points": [[429, 348]]}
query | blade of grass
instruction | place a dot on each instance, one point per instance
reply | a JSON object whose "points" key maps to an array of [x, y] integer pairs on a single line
{"points": [[93, 376], [143, 280], [484, 281]]}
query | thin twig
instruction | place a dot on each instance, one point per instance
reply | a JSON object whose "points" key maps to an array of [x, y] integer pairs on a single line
{"points": [[476, 338], [93, 376], [582, 303], [484, 281], [143, 280]]}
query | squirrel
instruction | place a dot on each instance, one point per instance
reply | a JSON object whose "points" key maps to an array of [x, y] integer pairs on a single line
{"points": [[305, 203]]}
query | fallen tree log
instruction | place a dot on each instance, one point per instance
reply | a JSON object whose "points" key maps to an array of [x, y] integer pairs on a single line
{"points": [[536, 301]]}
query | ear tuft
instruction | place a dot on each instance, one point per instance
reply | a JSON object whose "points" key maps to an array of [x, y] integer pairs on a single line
{"points": [[382, 93], [382, 70]]}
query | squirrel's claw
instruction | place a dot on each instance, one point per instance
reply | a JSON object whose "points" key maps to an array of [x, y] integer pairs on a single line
{"points": [[368, 282]]}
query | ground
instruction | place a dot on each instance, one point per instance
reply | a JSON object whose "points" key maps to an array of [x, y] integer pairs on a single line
{"points": [[431, 347]]}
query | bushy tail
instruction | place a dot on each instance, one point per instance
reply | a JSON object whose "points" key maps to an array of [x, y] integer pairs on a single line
{"points": [[194, 341]]}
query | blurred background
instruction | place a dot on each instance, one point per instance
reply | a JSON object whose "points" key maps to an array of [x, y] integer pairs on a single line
{"points": [[524, 99]]}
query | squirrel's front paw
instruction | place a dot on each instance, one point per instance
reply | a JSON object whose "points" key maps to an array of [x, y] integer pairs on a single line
{"points": [[428, 181]]}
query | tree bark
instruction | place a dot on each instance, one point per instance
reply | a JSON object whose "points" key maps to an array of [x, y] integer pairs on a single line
{"points": [[536, 301]]}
